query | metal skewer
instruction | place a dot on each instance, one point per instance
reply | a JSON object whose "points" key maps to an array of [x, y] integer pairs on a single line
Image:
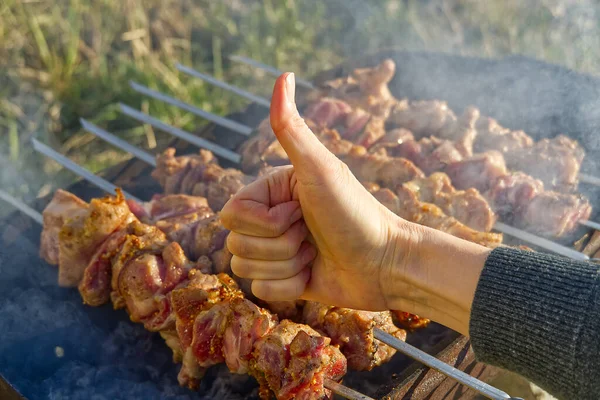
{"points": [[234, 89], [271, 70], [181, 134], [78, 170], [481, 387], [405, 348], [592, 180], [234, 126], [21, 206], [118, 142]]}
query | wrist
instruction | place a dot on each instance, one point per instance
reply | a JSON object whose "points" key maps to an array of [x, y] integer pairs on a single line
{"points": [[433, 274]]}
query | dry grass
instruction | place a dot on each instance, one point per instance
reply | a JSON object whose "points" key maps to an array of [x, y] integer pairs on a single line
{"points": [[62, 60]]}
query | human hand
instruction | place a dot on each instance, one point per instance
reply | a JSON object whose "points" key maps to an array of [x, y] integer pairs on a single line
{"points": [[311, 230]]}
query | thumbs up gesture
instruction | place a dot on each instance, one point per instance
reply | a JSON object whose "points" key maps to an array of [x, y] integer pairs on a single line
{"points": [[310, 230]]}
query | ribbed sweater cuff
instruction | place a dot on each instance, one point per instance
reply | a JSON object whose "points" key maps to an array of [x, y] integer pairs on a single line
{"points": [[539, 315]]}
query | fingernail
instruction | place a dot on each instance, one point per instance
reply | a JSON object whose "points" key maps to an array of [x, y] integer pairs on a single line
{"points": [[290, 87]]}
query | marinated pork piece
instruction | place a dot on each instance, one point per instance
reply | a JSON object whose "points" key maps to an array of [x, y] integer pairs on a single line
{"points": [[554, 214], [63, 207], [198, 175], [423, 118], [83, 230], [480, 171], [406, 204], [386, 171], [467, 206], [511, 194], [146, 280], [293, 360], [352, 331], [492, 136], [187, 220], [199, 294], [431, 154], [392, 138], [365, 88], [556, 162]]}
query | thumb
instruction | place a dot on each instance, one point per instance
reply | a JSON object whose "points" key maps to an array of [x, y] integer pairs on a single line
{"points": [[310, 158]]}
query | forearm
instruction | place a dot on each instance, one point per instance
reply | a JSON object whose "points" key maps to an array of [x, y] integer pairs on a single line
{"points": [[437, 276]]}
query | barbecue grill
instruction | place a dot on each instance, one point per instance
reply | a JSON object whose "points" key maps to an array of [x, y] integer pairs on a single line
{"points": [[73, 354]]}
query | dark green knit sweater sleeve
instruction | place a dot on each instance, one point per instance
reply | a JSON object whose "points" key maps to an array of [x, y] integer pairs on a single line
{"points": [[539, 316]]}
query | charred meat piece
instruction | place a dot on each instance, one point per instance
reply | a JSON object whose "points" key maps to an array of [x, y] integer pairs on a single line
{"points": [[294, 360], [386, 171], [431, 154], [83, 230], [409, 321], [353, 331], [467, 206]]}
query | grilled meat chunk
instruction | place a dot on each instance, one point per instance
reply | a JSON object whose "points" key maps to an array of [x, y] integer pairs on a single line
{"points": [[480, 171], [554, 214], [510, 194], [422, 118], [365, 88], [492, 136], [198, 175], [556, 162], [294, 361], [409, 321], [467, 206], [406, 204], [64, 206], [83, 230], [352, 331]]}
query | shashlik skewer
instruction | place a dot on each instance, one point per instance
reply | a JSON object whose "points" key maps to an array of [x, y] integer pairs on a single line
{"points": [[479, 386], [527, 237], [353, 82], [563, 220], [185, 220], [157, 285], [219, 258]]}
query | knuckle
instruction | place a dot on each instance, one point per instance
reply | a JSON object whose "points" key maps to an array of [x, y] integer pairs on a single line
{"points": [[236, 244], [274, 224], [239, 267], [229, 214]]}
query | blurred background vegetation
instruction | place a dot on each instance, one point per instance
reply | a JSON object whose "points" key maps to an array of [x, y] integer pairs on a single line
{"points": [[65, 59]]}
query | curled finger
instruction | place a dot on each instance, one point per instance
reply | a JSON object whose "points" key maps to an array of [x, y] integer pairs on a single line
{"points": [[282, 247], [282, 289], [274, 270]]}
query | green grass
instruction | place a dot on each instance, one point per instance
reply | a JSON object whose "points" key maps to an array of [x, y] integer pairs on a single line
{"points": [[66, 59]]}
